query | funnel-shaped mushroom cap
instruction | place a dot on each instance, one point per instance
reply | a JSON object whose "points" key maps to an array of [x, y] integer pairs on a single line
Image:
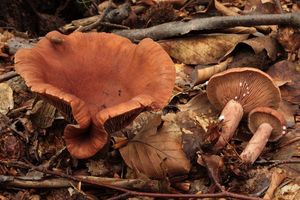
{"points": [[100, 82], [262, 115], [248, 86]]}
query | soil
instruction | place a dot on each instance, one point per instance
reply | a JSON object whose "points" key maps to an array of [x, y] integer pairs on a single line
{"points": [[38, 17]]}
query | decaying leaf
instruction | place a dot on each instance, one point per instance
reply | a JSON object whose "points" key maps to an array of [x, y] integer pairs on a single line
{"points": [[193, 132], [204, 49], [43, 114], [6, 98], [97, 168], [183, 76], [290, 191], [214, 165], [286, 75], [157, 153]]}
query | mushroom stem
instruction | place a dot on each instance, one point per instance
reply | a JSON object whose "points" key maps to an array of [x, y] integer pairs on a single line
{"points": [[257, 143], [232, 114]]}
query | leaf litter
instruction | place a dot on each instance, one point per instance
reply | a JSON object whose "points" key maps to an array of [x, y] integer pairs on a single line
{"points": [[174, 146]]}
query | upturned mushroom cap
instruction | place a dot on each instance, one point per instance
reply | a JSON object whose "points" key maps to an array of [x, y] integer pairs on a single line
{"points": [[249, 86], [267, 115], [99, 81]]}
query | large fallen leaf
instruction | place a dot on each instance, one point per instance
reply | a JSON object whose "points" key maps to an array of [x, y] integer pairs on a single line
{"points": [[204, 50], [287, 77], [6, 98], [256, 52], [157, 153]]}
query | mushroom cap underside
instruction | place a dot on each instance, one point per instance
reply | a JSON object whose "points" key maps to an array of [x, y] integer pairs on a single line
{"points": [[267, 115], [249, 86]]}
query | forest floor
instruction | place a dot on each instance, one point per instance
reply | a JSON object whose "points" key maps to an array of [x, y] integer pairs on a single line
{"points": [[169, 152]]}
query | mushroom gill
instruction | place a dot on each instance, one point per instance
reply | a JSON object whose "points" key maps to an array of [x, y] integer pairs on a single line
{"points": [[99, 81]]}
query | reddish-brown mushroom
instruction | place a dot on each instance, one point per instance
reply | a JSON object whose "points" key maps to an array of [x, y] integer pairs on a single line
{"points": [[236, 92], [266, 124], [99, 81]]}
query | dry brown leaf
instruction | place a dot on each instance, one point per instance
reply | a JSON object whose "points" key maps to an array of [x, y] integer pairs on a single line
{"points": [[201, 106], [259, 44], [289, 151], [6, 98], [204, 49], [256, 52], [286, 75], [157, 153], [261, 7], [203, 73]]}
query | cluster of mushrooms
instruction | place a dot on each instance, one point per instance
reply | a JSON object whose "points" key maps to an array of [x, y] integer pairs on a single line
{"points": [[241, 91], [100, 82]]}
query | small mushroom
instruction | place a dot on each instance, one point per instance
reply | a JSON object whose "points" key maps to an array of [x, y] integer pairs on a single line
{"points": [[266, 124], [99, 81], [236, 92]]}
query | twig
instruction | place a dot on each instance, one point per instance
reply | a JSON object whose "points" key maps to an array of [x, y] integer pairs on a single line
{"points": [[281, 162], [129, 192], [289, 142], [212, 23], [98, 21], [276, 162], [48, 183], [7, 76], [121, 196]]}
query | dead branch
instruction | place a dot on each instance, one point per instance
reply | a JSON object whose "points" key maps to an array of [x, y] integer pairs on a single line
{"points": [[98, 21], [151, 185], [127, 192], [7, 76], [171, 29]]}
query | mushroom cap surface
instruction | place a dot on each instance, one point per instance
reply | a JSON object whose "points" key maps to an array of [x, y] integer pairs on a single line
{"points": [[249, 86], [261, 115], [99, 81]]}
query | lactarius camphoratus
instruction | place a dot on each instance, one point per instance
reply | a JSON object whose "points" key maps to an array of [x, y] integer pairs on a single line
{"points": [[236, 92], [99, 81], [266, 124]]}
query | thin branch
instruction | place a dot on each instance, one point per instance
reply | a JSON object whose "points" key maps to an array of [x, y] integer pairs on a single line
{"points": [[275, 163], [98, 21], [7, 76], [212, 23], [126, 191]]}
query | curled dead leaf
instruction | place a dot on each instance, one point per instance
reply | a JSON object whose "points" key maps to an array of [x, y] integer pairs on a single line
{"points": [[257, 52], [203, 73]]}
